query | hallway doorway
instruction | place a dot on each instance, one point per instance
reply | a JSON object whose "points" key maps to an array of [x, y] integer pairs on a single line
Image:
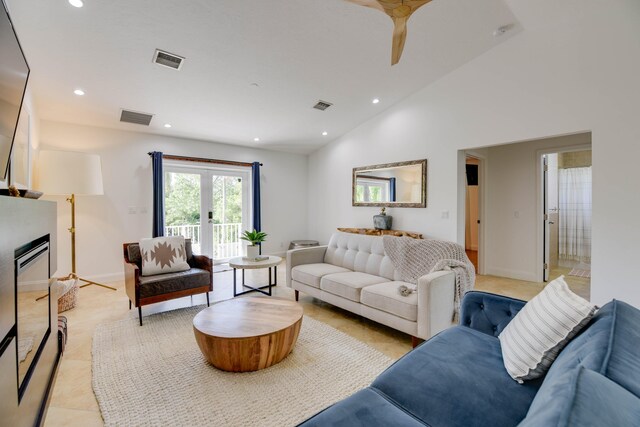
{"points": [[472, 209], [567, 204]]}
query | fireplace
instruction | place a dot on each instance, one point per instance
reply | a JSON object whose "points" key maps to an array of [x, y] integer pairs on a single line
{"points": [[33, 312], [28, 257]]}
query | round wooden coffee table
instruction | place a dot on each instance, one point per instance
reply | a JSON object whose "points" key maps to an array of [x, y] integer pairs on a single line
{"points": [[247, 334]]}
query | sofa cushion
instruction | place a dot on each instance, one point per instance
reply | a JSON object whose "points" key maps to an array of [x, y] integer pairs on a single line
{"points": [[608, 345], [457, 378], [385, 297], [365, 408], [584, 398], [533, 339], [348, 285], [360, 253], [171, 282], [310, 274]]}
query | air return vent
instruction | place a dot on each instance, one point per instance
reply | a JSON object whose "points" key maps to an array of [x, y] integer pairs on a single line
{"points": [[134, 117], [322, 105], [167, 59]]}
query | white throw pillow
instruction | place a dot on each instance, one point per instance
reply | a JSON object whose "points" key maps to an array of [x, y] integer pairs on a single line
{"points": [[532, 340], [163, 255]]}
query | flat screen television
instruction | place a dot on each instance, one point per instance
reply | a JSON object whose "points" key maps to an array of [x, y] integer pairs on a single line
{"points": [[14, 73]]}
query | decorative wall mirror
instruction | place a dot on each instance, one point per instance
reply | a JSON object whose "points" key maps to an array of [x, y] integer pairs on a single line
{"points": [[398, 185]]}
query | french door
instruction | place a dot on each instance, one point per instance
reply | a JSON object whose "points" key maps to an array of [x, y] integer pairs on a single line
{"points": [[209, 206]]}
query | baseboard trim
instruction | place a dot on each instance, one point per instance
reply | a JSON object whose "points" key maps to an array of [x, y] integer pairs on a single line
{"points": [[512, 274]]}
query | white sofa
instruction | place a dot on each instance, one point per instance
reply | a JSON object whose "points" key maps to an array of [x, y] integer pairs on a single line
{"points": [[354, 273]]}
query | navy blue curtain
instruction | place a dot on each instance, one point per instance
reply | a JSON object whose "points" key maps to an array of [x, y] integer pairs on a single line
{"points": [[255, 178], [158, 194], [392, 189]]}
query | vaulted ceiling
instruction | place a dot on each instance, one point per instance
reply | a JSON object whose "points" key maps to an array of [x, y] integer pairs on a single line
{"points": [[253, 68]]}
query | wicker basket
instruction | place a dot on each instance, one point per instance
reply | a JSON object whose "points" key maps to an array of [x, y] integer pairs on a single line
{"points": [[70, 298]]}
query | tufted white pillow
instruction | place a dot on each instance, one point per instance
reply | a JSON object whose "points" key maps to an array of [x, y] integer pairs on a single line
{"points": [[163, 255], [532, 340]]}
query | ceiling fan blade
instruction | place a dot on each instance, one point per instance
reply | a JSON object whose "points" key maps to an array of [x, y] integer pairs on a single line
{"points": [[368, 3], [399, 37], [400, 11]]}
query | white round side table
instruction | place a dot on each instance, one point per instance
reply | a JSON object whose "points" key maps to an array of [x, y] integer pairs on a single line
{"points": [[239, 263]]}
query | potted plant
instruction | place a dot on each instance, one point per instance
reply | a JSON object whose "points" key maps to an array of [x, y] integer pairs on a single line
{"points": [[254, 238]]}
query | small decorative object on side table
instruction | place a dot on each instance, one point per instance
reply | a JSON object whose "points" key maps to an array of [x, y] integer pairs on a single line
{"points": [[382, 221], [255, 238]]}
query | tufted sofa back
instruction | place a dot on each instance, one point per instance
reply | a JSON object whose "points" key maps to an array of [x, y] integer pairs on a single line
{"points": [[359, 252]]}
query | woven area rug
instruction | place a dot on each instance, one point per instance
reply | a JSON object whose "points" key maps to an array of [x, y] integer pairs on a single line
{"points": [[155, 375]]}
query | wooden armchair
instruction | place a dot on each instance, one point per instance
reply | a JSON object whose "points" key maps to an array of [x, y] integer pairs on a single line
{"points": [[144, 290]]}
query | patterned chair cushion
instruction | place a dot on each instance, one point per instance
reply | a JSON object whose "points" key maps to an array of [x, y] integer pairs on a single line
{"points": [[133, 253]]}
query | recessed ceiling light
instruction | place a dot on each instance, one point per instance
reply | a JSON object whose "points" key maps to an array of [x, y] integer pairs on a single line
{"points": [[76, 3], [79, 92], [375, 100], [325, 133], [256, 139], [167, 125]]}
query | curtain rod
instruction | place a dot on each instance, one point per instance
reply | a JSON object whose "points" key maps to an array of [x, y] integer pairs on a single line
{"points": [[203, 160]]}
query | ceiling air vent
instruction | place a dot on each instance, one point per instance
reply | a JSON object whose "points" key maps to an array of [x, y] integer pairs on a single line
{"points": [[322, 105], [168, 59], [134, 117]]}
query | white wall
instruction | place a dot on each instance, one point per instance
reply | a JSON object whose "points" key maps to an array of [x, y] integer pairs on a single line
{"points": [[34, 131], [552, 181], [103, 223], [574, 68]]}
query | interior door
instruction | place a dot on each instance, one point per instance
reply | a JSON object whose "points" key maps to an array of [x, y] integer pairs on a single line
{"points": [[545, 217]]}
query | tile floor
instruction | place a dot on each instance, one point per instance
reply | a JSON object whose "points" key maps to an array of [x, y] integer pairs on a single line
{"points": [[73, 402]]}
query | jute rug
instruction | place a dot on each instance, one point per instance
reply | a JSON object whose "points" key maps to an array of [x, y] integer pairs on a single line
{"points": [[155, 375]]}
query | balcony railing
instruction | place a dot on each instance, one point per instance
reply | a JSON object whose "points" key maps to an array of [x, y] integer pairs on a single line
{"points": [[225, 238]]}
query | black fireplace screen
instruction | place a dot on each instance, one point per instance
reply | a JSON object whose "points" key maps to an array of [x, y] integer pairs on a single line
{"points": [[32, 310]]}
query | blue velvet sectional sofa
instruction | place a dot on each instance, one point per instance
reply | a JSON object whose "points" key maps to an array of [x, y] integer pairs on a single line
{"points": [[457, 378]]}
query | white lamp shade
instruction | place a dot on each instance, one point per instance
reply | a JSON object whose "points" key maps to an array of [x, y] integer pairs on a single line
{"points": [[65, 172]]}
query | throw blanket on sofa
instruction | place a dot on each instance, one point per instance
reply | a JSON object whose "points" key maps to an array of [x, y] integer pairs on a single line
{"points": [[414, 258]]}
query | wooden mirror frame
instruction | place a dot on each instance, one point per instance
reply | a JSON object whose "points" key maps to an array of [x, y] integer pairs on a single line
{"points": [[421, 204]]}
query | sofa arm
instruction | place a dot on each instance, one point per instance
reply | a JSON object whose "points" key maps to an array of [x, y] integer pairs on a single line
{"points": [[488, 313], [435, 302], [312, 255]]}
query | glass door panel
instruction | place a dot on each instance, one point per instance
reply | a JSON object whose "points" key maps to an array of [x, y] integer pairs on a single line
{"points": [[182, 207], [229, 213]]}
